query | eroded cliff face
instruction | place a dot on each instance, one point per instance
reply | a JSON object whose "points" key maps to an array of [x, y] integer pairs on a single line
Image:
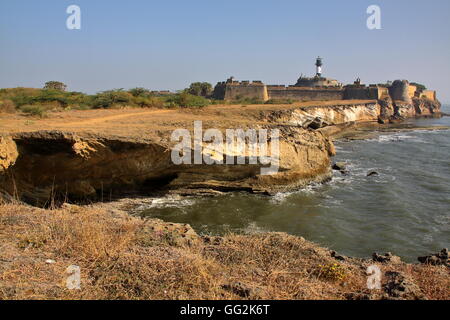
{"points": [[320, 116], [39, 166], [8, 153], [426, 107], [55, 164], [316, 117]]}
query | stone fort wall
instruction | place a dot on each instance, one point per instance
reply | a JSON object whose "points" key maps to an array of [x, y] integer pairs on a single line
{"points": [[246, 90], [237, 90], [372, 92], [305, 93], [429, 94]]}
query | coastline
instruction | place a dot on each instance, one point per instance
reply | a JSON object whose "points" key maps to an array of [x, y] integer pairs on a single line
{"points": [[225, 264]]}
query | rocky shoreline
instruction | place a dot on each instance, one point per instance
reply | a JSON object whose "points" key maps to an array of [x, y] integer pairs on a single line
{"points": [[81, 164], [169, 260]]}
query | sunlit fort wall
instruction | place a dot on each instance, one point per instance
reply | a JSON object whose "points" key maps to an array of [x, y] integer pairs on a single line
{"points": [[318, 88]]}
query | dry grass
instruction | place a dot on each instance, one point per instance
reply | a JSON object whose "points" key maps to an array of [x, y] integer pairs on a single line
{"points": [[7, 106], [122, 257]]}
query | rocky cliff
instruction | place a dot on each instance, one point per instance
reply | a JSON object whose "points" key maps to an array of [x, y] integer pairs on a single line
{"points": [[376, 110], [55, 164], [97, 163]]}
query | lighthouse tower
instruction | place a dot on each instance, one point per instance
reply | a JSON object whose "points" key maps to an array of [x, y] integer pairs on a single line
{"points": [[319, 67]]}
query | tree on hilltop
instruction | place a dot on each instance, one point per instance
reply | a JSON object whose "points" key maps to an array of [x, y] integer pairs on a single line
{"points": [[55, 85], [203, 89]]}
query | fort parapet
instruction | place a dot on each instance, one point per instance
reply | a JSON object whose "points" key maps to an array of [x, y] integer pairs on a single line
{"points": [[282, 92], [319, 88], [256, 90], [237, 90]]}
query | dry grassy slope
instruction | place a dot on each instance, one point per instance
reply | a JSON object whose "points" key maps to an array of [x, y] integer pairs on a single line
{"points": [[137, 123], [123, 257]]}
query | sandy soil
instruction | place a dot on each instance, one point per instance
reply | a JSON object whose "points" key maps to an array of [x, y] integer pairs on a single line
{"points": [[142, 122]]}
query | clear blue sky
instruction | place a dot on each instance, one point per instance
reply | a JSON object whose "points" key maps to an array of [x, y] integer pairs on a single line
{"points": [[169, 44]]}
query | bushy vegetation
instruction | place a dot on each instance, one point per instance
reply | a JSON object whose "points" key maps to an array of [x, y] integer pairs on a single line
{"points": [[203, 89], [55, 85], [48, 99], [33, 110], [111, 99], [185, 99], [54, 98]]}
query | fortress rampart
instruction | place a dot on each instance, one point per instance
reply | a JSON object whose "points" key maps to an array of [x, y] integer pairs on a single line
{"points": [[236, 90], [319, 88], [399, 90], [305, 93]]}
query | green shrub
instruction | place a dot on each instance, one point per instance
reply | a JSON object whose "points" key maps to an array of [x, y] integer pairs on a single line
{"points": [[140, 92], [48, 96], [149, 102], [33, 110], [22, 99], [185, 99], [108, 99], [50, 99], [61, 98], [170, 104]]}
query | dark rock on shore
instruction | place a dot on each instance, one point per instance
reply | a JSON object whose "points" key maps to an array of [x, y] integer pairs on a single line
{"points": [[386, 258], [399, 286], [337, 256], [437, 259]]}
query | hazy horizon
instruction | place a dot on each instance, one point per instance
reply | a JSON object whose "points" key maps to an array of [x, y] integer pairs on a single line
{"points": [[167, 45]]}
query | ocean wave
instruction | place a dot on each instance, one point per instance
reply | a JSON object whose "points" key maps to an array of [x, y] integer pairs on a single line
{"points": [[164, 202], [396, 137]]}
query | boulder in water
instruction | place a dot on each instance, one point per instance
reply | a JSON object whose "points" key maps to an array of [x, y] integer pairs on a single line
{"points": [[340, 166]]}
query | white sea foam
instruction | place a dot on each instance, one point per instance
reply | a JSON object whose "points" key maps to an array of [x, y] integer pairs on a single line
{"points": [[253, 228], [398, 137], [165, 202]]}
